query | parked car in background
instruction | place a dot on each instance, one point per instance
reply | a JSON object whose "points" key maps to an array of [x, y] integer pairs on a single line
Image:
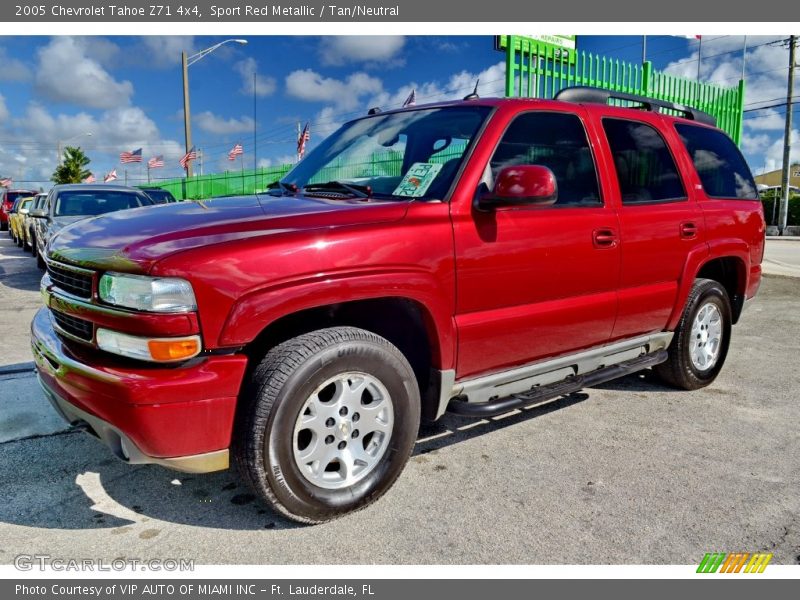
{"points": [[28, 221], [68, 203], [7, 199], [16, 218], [159, 195]]}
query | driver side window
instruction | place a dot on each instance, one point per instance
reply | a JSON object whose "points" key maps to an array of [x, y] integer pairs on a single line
{"points": [[556, 141]]}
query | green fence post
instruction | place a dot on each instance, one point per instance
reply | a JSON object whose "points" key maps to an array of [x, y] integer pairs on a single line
{"points": [[739, 116], [511, 63], [647, 74]]}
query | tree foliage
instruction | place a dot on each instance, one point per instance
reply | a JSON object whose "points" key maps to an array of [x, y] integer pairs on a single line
{"points": [[73, 166]]}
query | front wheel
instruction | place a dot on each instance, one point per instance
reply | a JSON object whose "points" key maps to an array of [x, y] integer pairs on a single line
{"points": [[327, 423], [701, 341]]}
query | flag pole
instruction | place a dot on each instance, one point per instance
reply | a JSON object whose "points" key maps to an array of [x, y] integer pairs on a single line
{"points": [[299, 133], [699, 57], [126, 175], [241, 158]]}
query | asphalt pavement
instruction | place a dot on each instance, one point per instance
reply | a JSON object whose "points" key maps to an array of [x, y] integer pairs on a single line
{"points": [[628, 472]]}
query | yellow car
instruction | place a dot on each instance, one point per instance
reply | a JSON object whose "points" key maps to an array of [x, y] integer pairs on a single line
{"points": [[16, 221]]}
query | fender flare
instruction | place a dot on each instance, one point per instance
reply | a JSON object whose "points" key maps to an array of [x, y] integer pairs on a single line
{"points": [[255, 311], [697, 259]]}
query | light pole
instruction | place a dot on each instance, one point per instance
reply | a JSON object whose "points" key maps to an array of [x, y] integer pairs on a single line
{"points": [[186, 62], [63, 143]]}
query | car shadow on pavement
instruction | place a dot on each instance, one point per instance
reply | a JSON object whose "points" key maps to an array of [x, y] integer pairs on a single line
{"points": [[453, 429], [74, 483]]}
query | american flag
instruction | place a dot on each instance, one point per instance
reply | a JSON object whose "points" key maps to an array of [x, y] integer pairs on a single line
{"points": [[156, 162], [110, 176], [412, 98], [302, 140], [91, 178], [6, 182], [131, 157], [237, 150], [186, 158]]}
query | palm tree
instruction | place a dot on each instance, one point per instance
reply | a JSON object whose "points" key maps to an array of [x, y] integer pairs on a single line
{"points": [[73, 166]]}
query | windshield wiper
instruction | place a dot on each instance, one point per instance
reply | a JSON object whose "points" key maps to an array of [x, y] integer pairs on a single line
{"points": [[285, 188], [356, 190]]}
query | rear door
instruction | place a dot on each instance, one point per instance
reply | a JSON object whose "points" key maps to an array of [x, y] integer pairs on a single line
{"points": [[660, 221], [535, 281]]}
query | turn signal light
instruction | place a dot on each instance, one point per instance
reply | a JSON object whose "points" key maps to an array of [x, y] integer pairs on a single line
{"points": [[167, 350]]}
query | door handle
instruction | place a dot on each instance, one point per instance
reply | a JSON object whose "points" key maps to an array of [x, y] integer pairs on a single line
{"points": [[604, 238], [688, 229]]}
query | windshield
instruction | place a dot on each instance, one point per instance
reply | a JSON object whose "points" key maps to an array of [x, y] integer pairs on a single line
{"points": [[411, 154], [79, 204]]}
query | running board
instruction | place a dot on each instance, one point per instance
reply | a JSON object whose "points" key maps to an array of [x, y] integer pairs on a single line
{"points": [[544, 393]]}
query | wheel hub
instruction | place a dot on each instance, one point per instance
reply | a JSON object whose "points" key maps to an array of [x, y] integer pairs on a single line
{"points": [[343, 430], [706, 337]]}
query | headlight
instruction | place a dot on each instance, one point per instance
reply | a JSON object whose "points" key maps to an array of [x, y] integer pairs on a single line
{"points": [[154, 294]]}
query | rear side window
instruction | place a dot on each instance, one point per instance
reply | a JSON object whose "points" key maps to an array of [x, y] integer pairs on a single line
{"points": [[645, 168], [721, 167], [557, 141]]}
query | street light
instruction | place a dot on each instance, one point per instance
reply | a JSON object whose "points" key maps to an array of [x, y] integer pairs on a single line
{"points": [[62, 143], [186, 62]]}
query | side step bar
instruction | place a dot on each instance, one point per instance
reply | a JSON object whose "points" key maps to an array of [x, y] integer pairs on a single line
{"points": [[544, 393]]}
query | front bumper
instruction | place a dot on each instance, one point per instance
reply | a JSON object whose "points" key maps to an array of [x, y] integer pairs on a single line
{"points": [[180, 417]]}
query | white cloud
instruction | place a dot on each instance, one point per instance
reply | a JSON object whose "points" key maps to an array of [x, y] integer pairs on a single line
{"points": [[765, 120], [67, 73], [115, 130], [211, 123], [310, 86], [12, 69], [371, 49], [165, 50], [766, 69], [263, 85], [3, 109]]}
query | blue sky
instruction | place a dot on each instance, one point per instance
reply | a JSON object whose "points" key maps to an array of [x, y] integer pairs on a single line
{"points": [[126, 91]]}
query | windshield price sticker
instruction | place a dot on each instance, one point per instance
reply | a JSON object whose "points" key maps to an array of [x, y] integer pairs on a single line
{"points": [[417, 180]]}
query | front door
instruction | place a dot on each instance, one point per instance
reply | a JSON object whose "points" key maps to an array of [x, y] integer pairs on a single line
{"points": [[535, 282]]}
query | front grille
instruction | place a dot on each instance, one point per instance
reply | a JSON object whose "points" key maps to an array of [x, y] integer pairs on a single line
{"points": [[79, 328], [75, 282]]}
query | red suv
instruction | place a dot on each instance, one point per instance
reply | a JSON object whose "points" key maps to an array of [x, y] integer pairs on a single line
{"points": [[7, 199], [474, 256]]}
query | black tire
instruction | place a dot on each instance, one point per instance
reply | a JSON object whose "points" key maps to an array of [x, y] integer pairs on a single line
{"points": [[679, 371], [277, 391], [4, 227]]}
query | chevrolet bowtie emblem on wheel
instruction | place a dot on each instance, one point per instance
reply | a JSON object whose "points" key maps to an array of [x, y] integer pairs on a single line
{"points": [[737, 562]]}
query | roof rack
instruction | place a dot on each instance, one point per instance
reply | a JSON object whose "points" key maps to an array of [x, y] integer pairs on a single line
{"points": [[600, 96]]}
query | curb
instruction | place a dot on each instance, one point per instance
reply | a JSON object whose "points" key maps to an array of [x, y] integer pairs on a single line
{"points": [[18, 368]]}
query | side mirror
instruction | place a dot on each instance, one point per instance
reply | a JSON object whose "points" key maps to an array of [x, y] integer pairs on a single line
{"points": [[522, 185], [38, 213]]}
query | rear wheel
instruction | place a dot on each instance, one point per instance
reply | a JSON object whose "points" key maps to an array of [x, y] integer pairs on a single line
{"points": [[327, 423], [701, 341]]}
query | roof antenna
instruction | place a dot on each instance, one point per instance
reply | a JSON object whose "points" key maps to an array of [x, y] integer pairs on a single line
{"points": [[474, 94]]}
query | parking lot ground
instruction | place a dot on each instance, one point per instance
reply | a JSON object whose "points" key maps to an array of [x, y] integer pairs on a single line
{"points": [[628, 472], [782, 257], [19, 301]]}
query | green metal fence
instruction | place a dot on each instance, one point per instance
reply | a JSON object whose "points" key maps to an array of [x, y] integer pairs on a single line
{"points": [[233, 183], [537, 70]]}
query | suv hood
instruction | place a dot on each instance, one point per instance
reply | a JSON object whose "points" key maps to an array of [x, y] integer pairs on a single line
{"points": [[132, 240]]}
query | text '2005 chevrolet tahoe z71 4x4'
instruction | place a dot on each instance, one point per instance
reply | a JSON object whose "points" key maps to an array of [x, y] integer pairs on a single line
{"points": [[474, 256]]}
